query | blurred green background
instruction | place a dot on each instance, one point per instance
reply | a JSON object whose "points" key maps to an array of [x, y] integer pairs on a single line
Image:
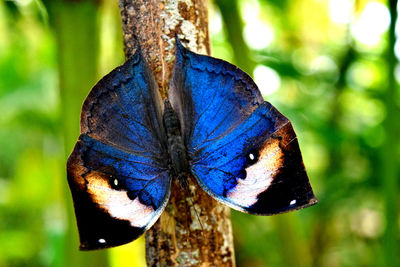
{"points": [[330, 66]]}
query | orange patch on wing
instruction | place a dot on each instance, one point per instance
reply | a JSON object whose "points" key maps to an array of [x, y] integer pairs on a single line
{"points": [[270, 159], [259, 175], [75, 170]]}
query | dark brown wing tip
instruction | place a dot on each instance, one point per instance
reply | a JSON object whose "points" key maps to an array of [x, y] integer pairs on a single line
{"points": [[76, 169], [117, 238], [97, 228], [290, 188]]}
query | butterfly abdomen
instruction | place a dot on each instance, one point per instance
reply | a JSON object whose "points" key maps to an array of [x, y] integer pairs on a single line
{"points": [[176, 148]]}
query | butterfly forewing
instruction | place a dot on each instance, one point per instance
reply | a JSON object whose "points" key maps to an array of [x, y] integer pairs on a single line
{"points": [[243, 152], [118, 170]]}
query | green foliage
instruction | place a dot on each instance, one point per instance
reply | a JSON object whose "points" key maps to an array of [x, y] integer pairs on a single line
{"points": [[324, 71], [333, 83]]}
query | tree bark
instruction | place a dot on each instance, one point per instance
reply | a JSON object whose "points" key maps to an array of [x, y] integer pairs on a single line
{"points": [[177, 238]]}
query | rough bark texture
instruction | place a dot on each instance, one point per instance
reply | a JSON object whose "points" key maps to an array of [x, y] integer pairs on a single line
{"points": [[178, 239], [154, 23]]}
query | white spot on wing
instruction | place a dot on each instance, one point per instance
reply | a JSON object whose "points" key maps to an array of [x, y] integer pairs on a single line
{"points": [[116, 182], [102, 241], [259, 176], [251, 156], [293, 202]]}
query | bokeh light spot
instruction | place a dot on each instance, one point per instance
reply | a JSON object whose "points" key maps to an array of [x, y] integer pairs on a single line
{"points": [[258, 35], [371, 24], [340, 11], [267, 79]]}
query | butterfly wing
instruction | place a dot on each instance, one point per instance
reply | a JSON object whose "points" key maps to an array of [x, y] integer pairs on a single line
{"points": [[243, 152], [117, 171]]}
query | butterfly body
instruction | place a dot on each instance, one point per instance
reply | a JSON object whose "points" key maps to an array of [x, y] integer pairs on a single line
{"points": [[215, 126], [176, 148]]}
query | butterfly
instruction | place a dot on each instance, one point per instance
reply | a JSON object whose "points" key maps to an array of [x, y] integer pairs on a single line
{"points": [[215, 125]]}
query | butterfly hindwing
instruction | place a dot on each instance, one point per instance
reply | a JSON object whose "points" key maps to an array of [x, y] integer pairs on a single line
{"points": [[242, 150], [117, 171]]}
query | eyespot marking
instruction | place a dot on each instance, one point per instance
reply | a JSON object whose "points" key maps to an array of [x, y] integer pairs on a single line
{"points": [[115, 183], [252, 157]]}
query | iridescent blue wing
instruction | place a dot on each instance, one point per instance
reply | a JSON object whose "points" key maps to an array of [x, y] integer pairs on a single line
{"points": [[117, 171], [242, 151]]}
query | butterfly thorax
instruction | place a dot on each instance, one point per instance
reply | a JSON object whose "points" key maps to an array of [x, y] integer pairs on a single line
{"points": [[176, 147]]}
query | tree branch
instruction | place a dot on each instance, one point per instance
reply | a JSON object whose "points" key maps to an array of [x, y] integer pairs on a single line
{"points": [[177, 238]]}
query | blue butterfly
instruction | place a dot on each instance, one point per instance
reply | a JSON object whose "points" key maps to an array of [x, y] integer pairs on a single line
{"points": [[215, 126]]}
